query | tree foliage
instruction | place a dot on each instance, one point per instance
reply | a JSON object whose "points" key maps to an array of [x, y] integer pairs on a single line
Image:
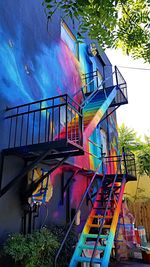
{"points": [[128, 138], [121, 23], [143, 159]]}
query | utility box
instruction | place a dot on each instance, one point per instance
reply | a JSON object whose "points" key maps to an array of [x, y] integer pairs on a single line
{"points": [[146, 256]]}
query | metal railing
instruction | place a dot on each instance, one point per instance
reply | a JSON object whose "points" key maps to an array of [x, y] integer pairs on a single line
{"points": [[43, 121], [121, 96], [106, 208], [93, 82], [130, 165], [127, 165]]}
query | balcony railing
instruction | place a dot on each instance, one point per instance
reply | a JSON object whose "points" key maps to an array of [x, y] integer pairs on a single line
{"points": [[44, 121], [127, 165], [122, 96], [93, 80]]}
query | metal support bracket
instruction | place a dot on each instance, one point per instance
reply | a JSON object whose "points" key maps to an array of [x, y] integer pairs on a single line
{"points": [[22, 174], [65, 187]]}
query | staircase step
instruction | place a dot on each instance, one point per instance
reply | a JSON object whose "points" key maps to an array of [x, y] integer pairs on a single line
{"points": [[104, 200], [98, 225], [102, 216], [115, 187], [102, 194], [94, 236], [105, 193], [86, 259], [96, 105], [102, 208], [92, 247], [110, 187]]}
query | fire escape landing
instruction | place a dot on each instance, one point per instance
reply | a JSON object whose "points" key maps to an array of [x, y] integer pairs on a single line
{"points": [[40, 131]]}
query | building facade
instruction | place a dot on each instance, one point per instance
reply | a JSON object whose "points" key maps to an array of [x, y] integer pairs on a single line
{"points": [[57, 120]]}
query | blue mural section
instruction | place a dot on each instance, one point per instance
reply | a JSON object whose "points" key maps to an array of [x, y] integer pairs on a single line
{"points": [[33, 64]]}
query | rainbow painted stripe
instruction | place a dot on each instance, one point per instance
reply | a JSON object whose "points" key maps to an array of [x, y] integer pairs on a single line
{"points": [[95, 110], [92, 114]]}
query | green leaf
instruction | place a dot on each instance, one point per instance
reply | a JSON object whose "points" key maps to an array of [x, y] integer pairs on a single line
{"points": [[122, 23]]}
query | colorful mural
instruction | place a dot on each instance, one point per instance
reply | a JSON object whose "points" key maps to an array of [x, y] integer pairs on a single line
{"points": [[44, 191], [52, 71], [39, 61], [36, 64]]}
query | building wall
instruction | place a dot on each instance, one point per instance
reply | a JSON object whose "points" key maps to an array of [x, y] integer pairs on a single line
{"points": [[138, 190], [37, 63]]}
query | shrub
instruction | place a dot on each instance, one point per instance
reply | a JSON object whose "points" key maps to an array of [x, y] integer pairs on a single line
{"points": [[69, 246], [33, 250]]}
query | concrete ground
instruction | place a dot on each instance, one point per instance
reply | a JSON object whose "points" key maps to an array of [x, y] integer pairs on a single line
{"points": [[129, 264]]}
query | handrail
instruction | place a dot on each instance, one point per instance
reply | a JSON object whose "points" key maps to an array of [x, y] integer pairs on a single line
{"points": [[98, 87], [35, 110], [65, 96], [89, 98], [130, 164], [121, 76], [117, 203], [74, 101], [84, 86], [80, 205], [103, 219], [95, 144], [89, 73], [35, 102]]}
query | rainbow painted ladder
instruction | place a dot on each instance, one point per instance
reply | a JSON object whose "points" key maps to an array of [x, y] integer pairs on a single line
{"points": [[97, 238]]}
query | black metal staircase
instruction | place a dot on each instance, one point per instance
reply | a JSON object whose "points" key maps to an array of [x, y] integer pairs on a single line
{"points": [[99, 230]]}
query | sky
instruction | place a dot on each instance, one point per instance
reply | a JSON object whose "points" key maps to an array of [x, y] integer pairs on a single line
{"points": [[136, 114]]}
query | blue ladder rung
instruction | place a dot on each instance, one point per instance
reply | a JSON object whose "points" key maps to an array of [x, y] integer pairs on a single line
{"points": [[86, 259], [91, 247], [95, 236]]}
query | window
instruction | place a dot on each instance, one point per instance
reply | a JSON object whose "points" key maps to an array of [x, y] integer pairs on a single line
{"points": [[104, 141], [68, 37], [99, 79]]}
